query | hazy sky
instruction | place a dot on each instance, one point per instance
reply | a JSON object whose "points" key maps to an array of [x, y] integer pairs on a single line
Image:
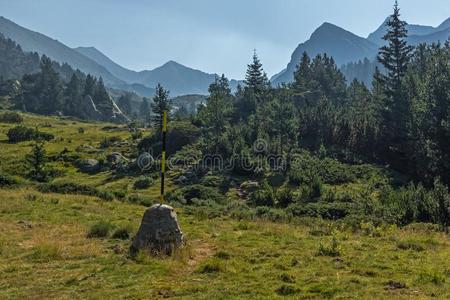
{"points": [[213, 36]]}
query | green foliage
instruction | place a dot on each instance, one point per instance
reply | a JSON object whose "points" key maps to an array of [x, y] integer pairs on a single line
{"points": [[107, 142], [143, 183], [264, 196], [331, 211], [122, 233], [179, 135], [74, 188], [6, 180], [284, 197], [100, 229], [37, 160], [21, 134], [333, 249], [11, 117], [188, 194], [160, 105]]}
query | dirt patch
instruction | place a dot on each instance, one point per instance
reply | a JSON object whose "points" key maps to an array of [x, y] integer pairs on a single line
{"points": [[200, 250]]}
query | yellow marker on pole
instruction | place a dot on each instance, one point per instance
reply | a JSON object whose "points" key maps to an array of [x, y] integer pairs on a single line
{"points": [[163, 156]]}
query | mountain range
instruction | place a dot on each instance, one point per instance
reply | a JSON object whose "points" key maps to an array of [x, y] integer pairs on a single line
{"points": [[344, 46], [179, 79]]}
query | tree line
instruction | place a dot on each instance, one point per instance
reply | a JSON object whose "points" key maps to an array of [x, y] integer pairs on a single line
{"points": [[403, 120]]}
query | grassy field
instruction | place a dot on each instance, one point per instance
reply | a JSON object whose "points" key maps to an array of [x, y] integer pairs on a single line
{"points": [[45, 252]]}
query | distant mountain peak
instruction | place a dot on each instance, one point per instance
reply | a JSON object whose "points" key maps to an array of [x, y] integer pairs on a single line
{"points": [[172, 63], [326, 28], [445, 24]]}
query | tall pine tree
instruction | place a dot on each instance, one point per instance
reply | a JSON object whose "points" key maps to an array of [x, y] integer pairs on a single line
{"points": [[255, 77], [160, 105], [395, 57]]}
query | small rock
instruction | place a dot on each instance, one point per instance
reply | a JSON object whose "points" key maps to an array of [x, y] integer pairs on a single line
{"points": [[395, 285], [249, 186]]}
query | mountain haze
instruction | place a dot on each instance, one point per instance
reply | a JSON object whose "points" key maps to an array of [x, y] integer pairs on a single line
{"points": [[177, 78], [417, 33], [346, 47], [341, 44]]}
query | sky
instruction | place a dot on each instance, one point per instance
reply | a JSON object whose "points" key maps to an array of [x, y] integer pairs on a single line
{"points": [[212, 36]]}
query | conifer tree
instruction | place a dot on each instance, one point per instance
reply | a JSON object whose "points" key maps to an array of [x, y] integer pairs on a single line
{"points": [[73, 97], [48, 88], [144, 110], [255, 78], [216, 113], [395, 57], [89, 86], [160, 105], [124, 103]]}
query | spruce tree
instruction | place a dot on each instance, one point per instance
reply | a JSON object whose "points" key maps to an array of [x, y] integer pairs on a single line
{"points": [[255, 78], [144, 110], [395, 57], [124, 103], [89, 86], [73, 97], [216, 113], [160, 105], [102, 99], [49, 88], [396, 54], [37, 160]]}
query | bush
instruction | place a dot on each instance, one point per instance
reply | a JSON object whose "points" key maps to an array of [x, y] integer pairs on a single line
{"points": [[331, 211], [186, 194], [11, 117], [263, 197], [100, 229], [141, 200], [107, 142], [409, 204], [143, 183], [122, 233], [6, 180], [330, 250], [77, 189], [284, 197], [180, 135], [274, 215], [329, 170], [80, 130], [21, 134]]}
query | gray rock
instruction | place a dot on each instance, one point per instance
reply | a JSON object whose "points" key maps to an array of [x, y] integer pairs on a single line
{"points": [[159, 231], [88, 165], [181, 180], [115, 158], [250, 186]]}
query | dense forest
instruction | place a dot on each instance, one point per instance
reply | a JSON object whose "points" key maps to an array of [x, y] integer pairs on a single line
{"points": [[402, 122]]}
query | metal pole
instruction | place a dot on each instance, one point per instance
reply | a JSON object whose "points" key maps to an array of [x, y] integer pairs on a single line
{"points": [[163, 156]]}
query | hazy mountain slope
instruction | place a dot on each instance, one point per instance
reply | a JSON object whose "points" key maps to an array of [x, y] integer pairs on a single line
{"points": [[417, 33], [439, 36], [117, 70], [177, 78], [31, 41], [342, 45], [36, 42]]}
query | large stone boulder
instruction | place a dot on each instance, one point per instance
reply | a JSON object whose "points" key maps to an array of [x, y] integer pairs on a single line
{"points": [[88, 165], [159, 232]]}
